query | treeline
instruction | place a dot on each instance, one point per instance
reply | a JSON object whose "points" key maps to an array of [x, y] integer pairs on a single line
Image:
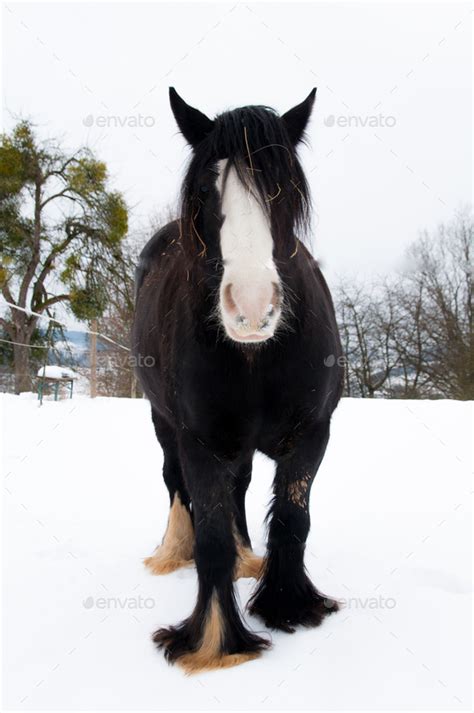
{"points": [[410, 336]]}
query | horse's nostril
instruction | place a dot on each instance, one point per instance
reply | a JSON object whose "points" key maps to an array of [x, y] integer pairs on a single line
{"points": [[276, 299], [229, 302]]}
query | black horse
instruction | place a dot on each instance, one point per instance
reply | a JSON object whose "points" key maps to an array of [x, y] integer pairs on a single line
{"points": [[237, 350]]}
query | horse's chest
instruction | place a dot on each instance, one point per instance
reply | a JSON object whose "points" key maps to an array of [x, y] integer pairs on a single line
{"points": [[220, 393], [238, 403]]}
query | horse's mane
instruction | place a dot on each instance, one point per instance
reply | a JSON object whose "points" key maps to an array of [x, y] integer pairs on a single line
{"points": [[255, 142]]}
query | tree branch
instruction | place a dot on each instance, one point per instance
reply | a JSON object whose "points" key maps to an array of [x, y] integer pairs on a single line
{"points": [[61, 194], [51, 301]]}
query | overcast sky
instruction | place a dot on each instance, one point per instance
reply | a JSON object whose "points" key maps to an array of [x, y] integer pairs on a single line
{"points": [[390, 149]]}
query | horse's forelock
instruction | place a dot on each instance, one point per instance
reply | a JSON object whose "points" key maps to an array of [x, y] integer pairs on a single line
{"points": [[256, 143]]}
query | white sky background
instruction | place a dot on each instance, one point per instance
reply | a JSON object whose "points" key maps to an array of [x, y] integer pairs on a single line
{"points": [[374, 188]]}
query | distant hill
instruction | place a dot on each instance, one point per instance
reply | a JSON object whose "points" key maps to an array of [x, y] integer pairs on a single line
{"points": [[74, 349]]}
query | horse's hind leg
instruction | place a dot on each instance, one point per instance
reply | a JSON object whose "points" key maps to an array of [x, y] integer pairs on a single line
{"points": [[248, 564], [214, 635], [285, 596], [176, 550]]}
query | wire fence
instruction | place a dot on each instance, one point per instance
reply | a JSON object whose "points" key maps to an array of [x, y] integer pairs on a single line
{"points": [[102, 365], [45, 317]]}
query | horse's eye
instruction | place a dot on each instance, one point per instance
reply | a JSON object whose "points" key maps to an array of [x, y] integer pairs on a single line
{"points": [[204, 189]]}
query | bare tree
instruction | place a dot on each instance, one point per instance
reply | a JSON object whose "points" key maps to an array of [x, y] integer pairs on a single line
{"points": [[116, 375], [437, 301], [411, 337], [367, 321]]}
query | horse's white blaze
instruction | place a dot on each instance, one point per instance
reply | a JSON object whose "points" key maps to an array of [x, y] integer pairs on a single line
{"points": [[250, 287]]}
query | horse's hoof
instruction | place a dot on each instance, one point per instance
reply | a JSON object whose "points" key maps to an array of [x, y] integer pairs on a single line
{"points": [[216, 642], [165, 564], [203, 658], [286, 608], [248, 564]]}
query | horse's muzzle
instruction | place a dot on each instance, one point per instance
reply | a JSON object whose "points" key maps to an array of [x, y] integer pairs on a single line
{"points": [[250, 314]]}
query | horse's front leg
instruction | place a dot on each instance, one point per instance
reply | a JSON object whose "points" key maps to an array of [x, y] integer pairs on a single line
{"points": [[285, 596], [248, 563], [214, 635]]}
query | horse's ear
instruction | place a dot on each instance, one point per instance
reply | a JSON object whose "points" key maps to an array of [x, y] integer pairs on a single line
{"points": [[296, 119], [193, 124]]}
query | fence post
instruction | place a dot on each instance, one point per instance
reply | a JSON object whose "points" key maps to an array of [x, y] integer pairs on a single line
{"points": [[93, 359]]}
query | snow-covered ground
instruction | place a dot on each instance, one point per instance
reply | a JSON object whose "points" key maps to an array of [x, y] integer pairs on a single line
{"points": [[84, 503]]}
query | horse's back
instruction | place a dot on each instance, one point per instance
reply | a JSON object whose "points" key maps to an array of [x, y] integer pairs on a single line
{"points": [[155, 248], [157, 278]]}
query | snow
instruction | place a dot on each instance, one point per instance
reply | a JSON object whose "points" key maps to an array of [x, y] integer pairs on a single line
{"points": [[390, 536], [57, 372]]}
